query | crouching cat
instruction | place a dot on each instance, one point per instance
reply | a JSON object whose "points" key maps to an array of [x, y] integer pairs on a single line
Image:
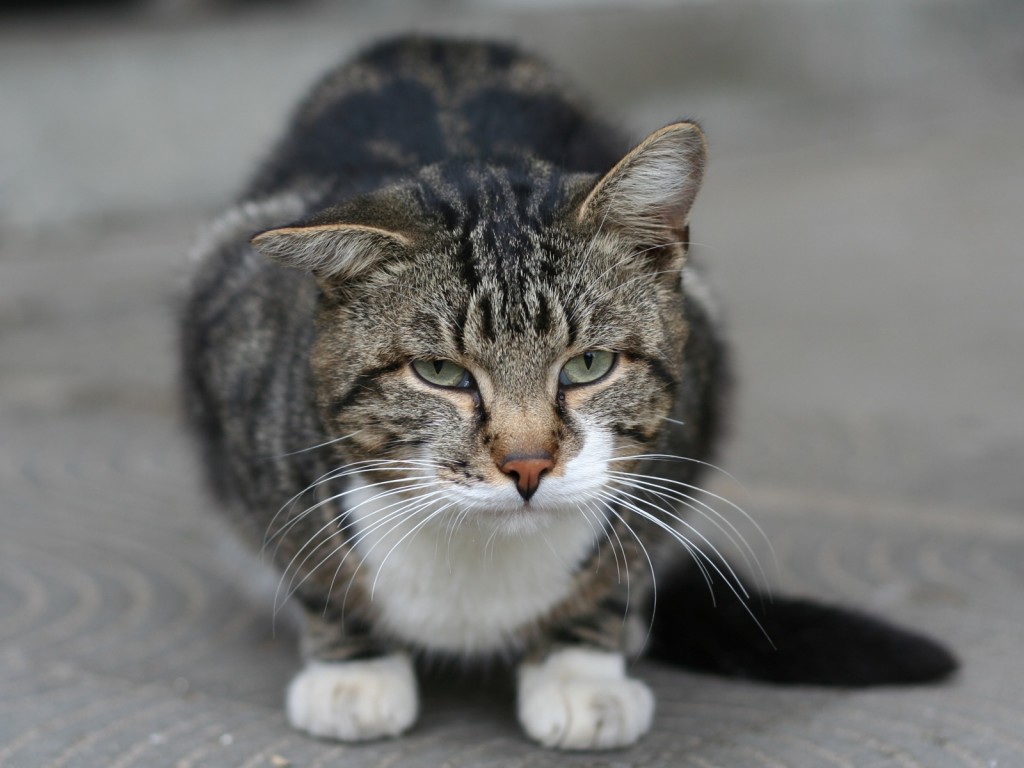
{"points": [[449, 366]]}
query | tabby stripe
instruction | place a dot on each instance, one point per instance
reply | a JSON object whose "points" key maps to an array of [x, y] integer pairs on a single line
{"points": [[487, 318], [550, 198], [542, 320], [524, 198], [573, 328], [472, 196], [458, 329], [360, 383], [431, 199], [632, 433], [659, 371]]}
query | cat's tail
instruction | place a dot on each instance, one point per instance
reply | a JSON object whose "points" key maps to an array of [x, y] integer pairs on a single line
{"points": [[798, 642]]}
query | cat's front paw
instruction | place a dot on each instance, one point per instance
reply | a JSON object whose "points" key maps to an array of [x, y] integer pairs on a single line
{"points": [[354, 700], [582, 699]]}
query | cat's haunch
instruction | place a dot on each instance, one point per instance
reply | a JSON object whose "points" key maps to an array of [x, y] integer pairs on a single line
{"points": [[450, 367]]}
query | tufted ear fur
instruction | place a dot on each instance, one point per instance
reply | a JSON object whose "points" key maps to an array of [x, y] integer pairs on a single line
{"points": [[331, 251], [648, 194]]}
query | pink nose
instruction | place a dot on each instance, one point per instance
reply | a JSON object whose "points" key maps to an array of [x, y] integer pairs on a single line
{"points": [[527, 471]]}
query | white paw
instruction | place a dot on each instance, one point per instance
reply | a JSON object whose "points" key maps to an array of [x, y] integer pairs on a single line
{"points": [[354, 700], [582, 699]]}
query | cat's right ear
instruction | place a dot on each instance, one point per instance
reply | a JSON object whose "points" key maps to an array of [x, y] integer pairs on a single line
{"points": [[334, 252]]}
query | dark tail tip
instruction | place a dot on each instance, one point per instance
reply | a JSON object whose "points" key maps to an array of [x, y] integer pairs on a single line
{"points": [[811, 644]]}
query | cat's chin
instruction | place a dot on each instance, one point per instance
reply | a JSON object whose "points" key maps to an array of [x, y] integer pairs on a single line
{"points": [[514, 517], [524, 520]]}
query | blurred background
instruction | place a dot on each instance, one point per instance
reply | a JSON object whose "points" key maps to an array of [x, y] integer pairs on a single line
{"points": [[860, 223]]}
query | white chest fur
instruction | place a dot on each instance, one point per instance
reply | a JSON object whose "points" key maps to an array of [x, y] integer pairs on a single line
{"points": [[462, 590]]}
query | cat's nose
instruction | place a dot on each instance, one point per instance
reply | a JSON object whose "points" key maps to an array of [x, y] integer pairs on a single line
{"points": [[527, 471]]}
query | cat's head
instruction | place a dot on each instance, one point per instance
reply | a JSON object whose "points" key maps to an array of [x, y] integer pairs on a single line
{"points": [[498, 335]]}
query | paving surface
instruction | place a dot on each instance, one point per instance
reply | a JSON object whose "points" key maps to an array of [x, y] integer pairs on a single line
{"points": [[861, 222]]}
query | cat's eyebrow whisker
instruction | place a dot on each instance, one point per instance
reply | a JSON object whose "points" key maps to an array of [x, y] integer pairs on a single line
{"points": [[716, 518], [593, 241], [642, 251], [578, 277], [638, 277], [591, 300]]}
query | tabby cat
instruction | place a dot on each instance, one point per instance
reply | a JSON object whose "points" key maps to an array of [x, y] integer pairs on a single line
{"points": [[450, 368]]}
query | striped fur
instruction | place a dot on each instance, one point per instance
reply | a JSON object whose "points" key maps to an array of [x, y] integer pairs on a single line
{"points": [[442, 200], [450, 206]]}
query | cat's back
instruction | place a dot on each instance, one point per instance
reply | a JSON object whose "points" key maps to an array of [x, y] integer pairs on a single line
{"points": [[410, 102]]}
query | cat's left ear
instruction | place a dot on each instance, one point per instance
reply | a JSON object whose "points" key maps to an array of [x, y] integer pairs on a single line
{"points": [[647, 196]]}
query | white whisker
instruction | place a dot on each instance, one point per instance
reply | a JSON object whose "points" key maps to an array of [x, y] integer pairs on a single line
{"points": [[610, 506], [402, 511], [688, 459], [412, 508], [580, 507], [343, 471], [411, 484], [293, 521], [707, 542], [705, 510], [732, 505], [311, 448], [415, 528], [734, 584], [332, 522]]}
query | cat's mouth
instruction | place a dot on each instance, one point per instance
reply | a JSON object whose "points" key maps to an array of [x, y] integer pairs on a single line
{"points": [[502, 510], [532, 491]]}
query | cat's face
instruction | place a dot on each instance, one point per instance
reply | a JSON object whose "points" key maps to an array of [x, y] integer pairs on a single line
{"points": [[507, 340]]}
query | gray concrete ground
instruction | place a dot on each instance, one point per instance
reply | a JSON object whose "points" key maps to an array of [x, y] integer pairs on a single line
{"points": [[861, 222]]}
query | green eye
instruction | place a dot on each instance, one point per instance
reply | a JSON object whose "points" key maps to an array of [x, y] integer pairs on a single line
{"points": [[586, 368], [443, 373]]}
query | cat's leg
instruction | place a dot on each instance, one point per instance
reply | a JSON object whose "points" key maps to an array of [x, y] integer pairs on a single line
{"points": [[577, 695], [344, 693]]}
